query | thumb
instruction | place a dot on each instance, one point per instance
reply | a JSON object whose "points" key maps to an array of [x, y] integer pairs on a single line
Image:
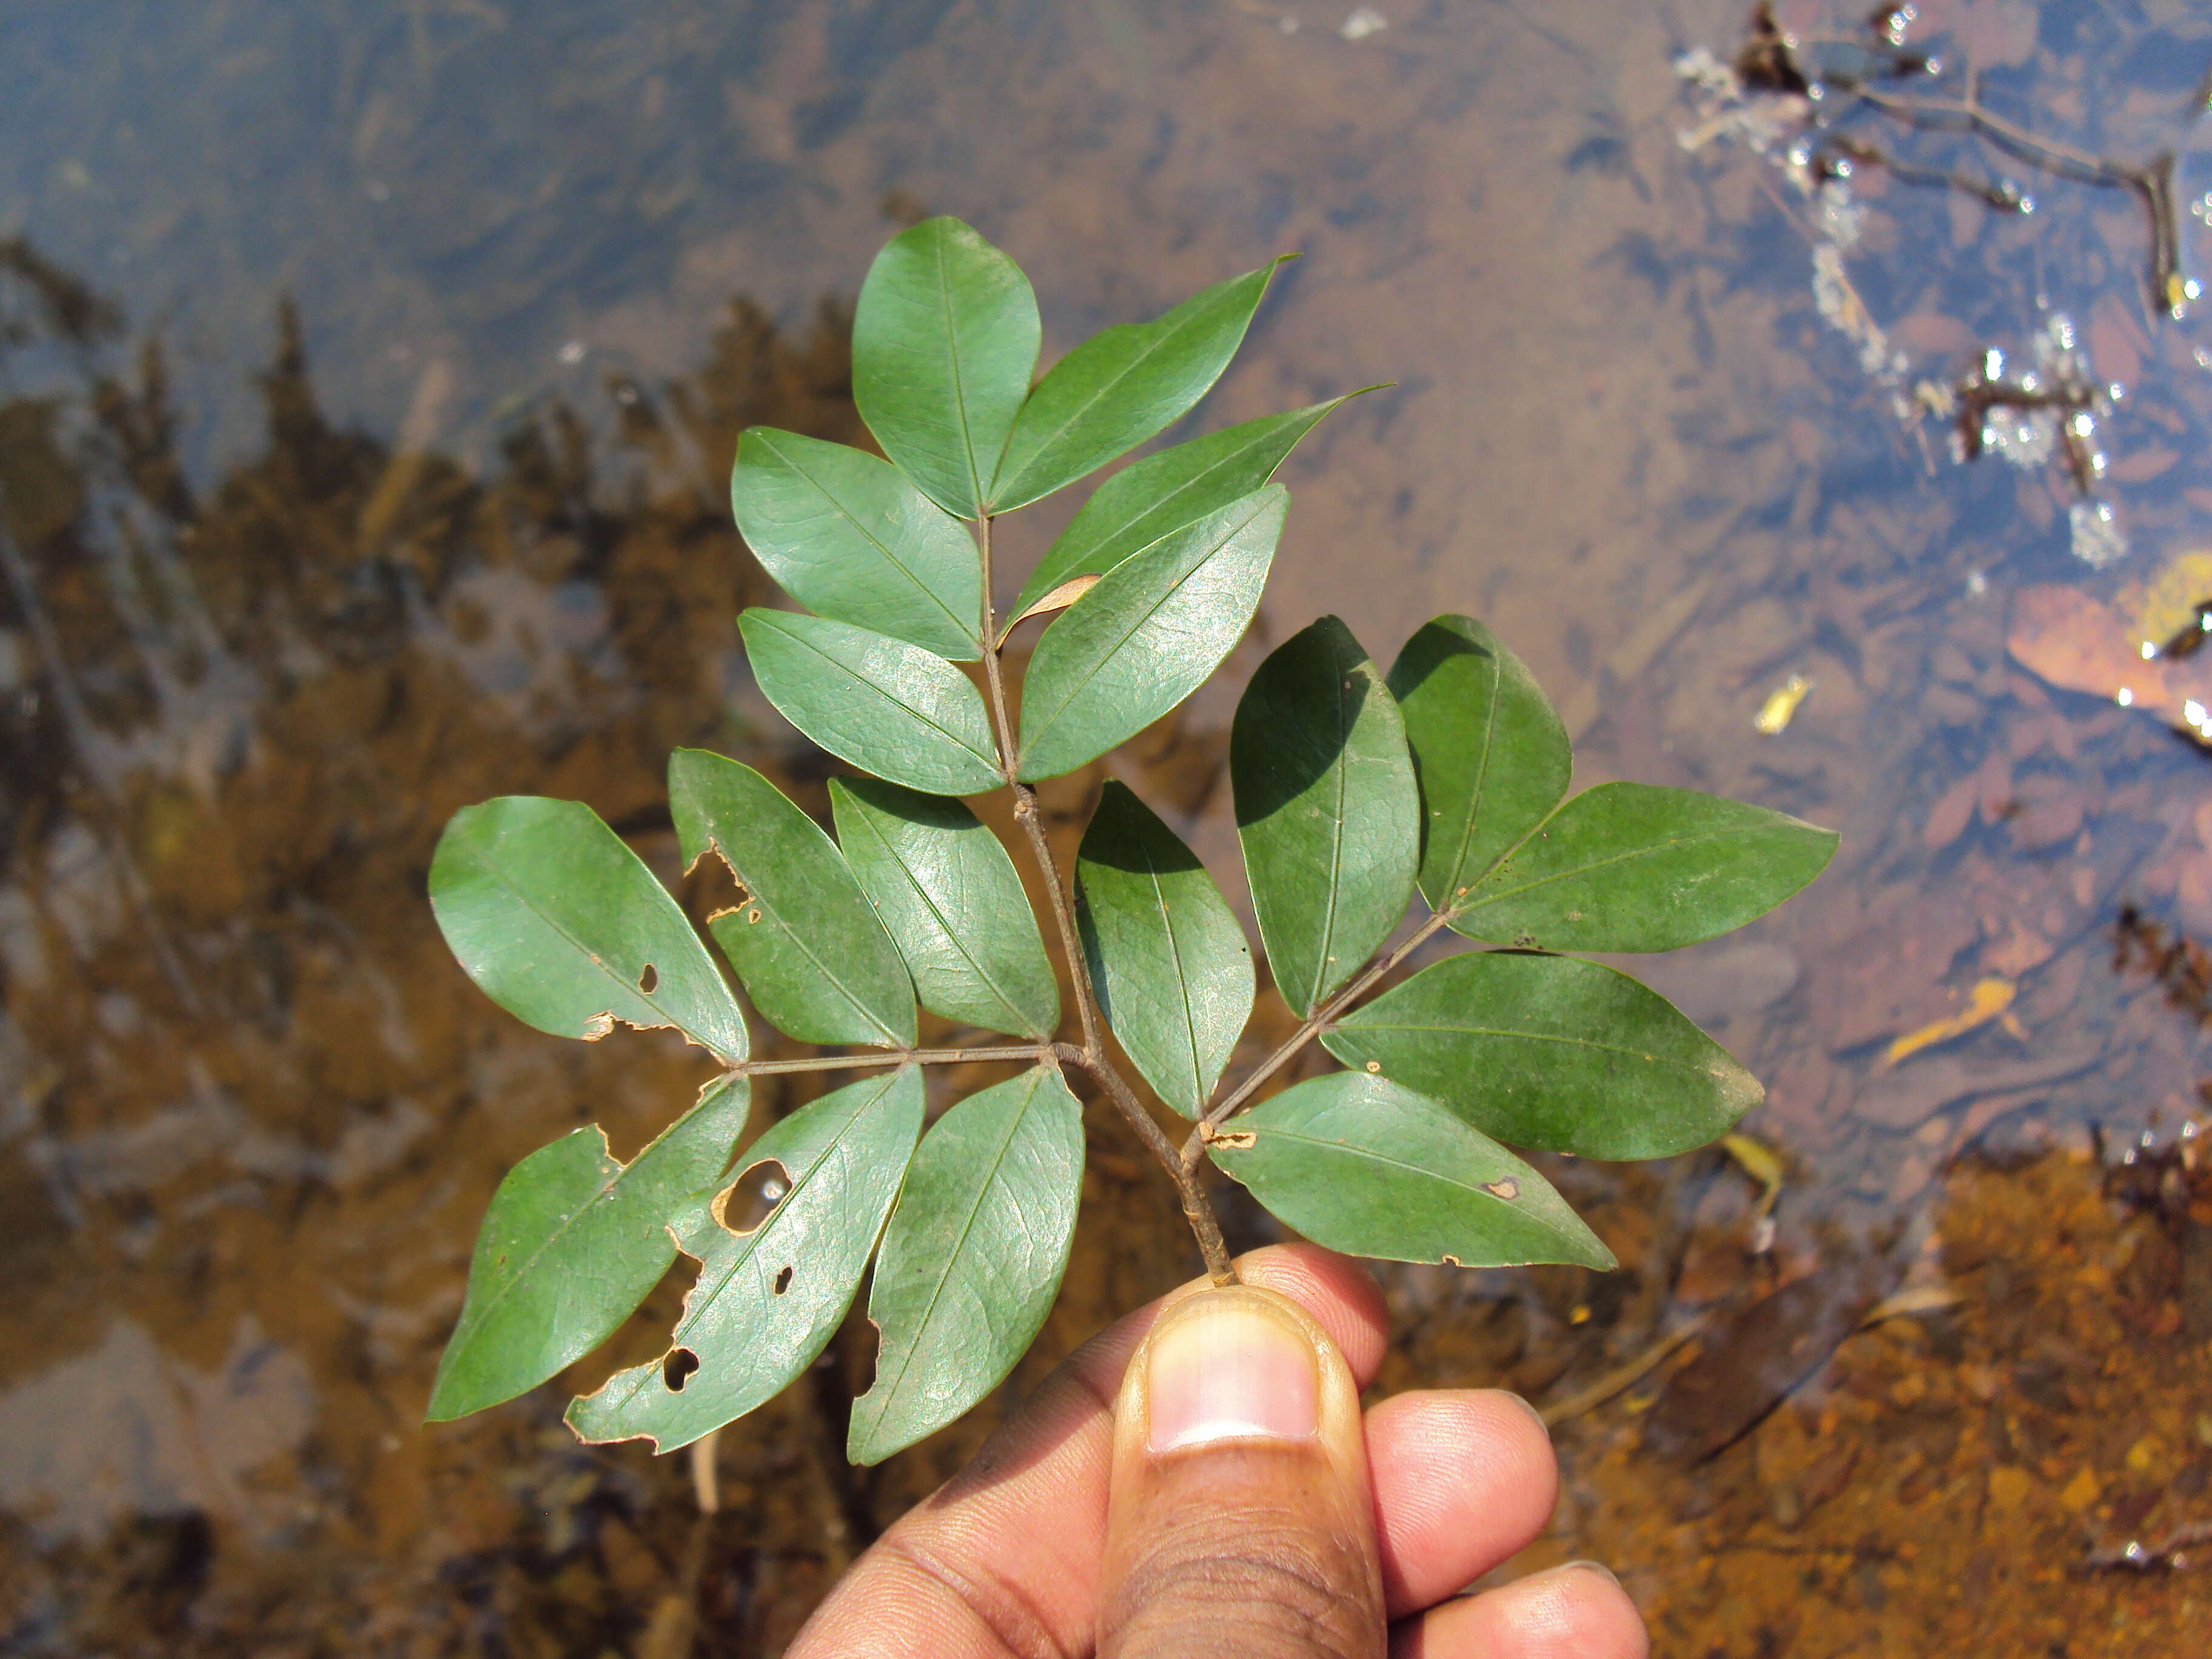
{"points": [[1239, 1519]]}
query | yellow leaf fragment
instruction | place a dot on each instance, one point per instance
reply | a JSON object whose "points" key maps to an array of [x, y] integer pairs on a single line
{"points": [[1757, 1160], [1988, 998], [1058, 599], [1781, 706]]}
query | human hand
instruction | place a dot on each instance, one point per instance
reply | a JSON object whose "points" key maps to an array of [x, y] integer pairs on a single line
{"points": [[1224, 1496]]}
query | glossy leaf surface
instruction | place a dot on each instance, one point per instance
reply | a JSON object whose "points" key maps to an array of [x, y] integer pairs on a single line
{"points": [[561, 924], [1634, 866], [1146, 637], [803, 937], [1327, 809], [1171, 967], [1120, 386], [1359, 1165], [1491, 753], [1158, 496], [849, 537], [945, 341], [972, 1258], [893, 708], [769, 1299], [952, 901], [1551, 1052], [574, 1241]]}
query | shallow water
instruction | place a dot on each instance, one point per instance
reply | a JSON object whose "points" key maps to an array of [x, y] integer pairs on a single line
{"points": [[369, 376]]}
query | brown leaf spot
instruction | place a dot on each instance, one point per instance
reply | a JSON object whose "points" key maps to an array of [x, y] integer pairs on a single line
{"points": [[1508, 1188], [1235, 1140]]}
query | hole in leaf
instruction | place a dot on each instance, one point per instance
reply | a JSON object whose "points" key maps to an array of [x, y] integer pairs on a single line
{"points": [[648, 980], [677, 1367], [1509, 1187], [864, 1381], [782, 1280], [752, 1199]]}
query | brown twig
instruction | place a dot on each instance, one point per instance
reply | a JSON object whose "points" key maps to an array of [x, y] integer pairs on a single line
{"points": [[1306, 1033], [1090, 1057], [892, 1057]]}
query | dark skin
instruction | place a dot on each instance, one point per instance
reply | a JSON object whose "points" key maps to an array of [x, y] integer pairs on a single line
{"points": [[1086, 1526]]}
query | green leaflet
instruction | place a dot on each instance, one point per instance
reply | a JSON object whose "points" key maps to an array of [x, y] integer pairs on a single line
{"points": [[945, 340], [1120, 386], [1359, 1165], [1633, 866], [1492, 755], [891, 708], [972, 1258], [1146, 637], [572, 1243], [804, 939], [952, 901], [851, 540], [563, 927], [1551, 1052], [1161, 494], [1172, 969], [1327, 809], [767, 1300]]}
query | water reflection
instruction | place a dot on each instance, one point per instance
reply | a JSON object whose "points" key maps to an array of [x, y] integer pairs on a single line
{"points": [[254, 652]]}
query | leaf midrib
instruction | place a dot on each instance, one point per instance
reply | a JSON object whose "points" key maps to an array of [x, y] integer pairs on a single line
{"points": [[1481, 782], [967, 1229], [650, 1000], [1647, 850], [748, 1244], [772, 915], [1343, 770], [952, 932], [1344, 1150], [606, 1185], [1101, 659], [880, 545], [1354, 1026], [1039, 450], [846, 672], [1183, 980]]}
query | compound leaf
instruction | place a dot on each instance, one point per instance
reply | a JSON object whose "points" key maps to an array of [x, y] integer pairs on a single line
{"points": [[1327, 809], [1171, 967], [945, 340], [1492, 755], [952, 901], [574, 1241], [769, 1297], [1551, 1052], [893, 708], [1634, 866], [803, 938], [1161, 494], [851, 540], [1359, 1165], [972, 1258], [561, 925], [1122, 385], [1146, 637]]}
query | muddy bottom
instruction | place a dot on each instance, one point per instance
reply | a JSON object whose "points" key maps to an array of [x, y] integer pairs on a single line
{"points": [[2021, 1464]]}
